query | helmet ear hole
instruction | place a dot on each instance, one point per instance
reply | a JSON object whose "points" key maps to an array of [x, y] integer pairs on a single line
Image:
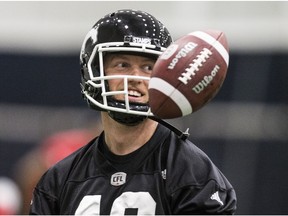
{"points": [[84, 72]]}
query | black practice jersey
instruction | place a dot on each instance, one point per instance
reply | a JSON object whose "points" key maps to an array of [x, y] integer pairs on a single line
{"points": [[165, 176]]}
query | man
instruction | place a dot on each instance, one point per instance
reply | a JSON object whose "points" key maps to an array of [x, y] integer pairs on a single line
{"points": [[136, 165]]}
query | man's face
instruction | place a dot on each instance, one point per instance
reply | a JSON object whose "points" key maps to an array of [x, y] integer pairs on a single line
{"points": [[121, 64]]}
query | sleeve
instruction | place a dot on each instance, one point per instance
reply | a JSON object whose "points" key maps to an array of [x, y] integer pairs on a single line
{"points": [[195, 184], [43, 204], [45, 195], [208, 199]]}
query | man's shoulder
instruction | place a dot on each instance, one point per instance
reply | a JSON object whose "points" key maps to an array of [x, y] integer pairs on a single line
{"points": [[186, 147], [187, 163], [62, 171]]}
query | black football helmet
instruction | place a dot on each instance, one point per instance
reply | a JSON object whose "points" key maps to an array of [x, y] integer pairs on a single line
{"points": [[129, 31]]}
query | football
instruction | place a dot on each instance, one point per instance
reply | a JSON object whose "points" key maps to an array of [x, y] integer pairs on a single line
{"points": [[188, 74]]}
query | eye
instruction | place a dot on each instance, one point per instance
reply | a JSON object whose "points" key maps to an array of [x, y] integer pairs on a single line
{"points": [[121, 65], [148, 68]]}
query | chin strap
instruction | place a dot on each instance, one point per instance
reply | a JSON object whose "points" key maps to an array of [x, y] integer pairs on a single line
{"points": [[126, 119], [131, 120], [182, 135]]}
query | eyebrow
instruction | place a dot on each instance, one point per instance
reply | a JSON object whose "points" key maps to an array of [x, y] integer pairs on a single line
{"points": [[125, 56], [113, 56]]}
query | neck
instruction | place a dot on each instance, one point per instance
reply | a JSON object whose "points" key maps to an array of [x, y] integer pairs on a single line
{"points": [[122, 139]]}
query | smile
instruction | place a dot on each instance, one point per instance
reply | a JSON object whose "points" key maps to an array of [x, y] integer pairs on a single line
{"points": [[134, 93]]}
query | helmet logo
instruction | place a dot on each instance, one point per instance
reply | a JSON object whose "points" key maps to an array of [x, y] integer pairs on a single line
{"points": [[140, 40], [91, 35], [118, 179]]}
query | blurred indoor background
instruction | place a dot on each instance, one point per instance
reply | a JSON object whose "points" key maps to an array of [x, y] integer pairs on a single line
{"points": [[243, 130]]}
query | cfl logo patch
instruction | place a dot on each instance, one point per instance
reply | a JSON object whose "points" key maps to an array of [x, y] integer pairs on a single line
{"points": [[118, 179]]}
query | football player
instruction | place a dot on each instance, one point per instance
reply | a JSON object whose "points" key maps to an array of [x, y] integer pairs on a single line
{"points": [[137, 165]]}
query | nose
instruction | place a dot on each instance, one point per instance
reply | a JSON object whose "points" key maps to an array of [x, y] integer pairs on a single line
{"points": [[136, 70]]}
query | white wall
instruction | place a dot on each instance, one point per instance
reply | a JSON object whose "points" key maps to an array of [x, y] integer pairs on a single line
{"points": [[61, 26]]}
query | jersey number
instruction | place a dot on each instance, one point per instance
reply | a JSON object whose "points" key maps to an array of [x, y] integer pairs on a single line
{"points": [[142, 201]]}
